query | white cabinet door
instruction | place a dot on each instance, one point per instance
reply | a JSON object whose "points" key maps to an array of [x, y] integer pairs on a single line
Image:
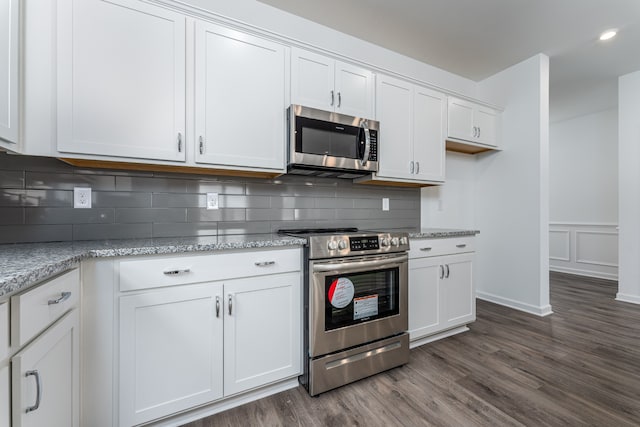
{"points": [[394, 104], [354, 90], [5, 397], [425, 299], [312, 80], [170, 351], [49, 368], [461, 124], [121, 79], [321, 82], [262, 336], [458, 290], [486, 120], [429, 118], [241, 99], [9, 71]]}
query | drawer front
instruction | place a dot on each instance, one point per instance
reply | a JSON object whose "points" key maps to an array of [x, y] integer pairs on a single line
{"points": [[155, 272], [34, 310], [4, 329], [421, 248]]}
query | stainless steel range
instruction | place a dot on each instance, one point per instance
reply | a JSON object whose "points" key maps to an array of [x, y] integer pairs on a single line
{"points": [[355, 305]]}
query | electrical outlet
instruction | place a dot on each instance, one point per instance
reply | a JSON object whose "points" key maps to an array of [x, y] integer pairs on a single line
{"points": [[385, 203], [82, 197], [212, 201]]}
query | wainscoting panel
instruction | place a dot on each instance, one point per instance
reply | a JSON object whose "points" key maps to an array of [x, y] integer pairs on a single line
{"points": [[584, 249]]}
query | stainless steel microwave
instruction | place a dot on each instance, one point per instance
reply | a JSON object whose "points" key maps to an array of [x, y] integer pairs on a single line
{"points": [[323, 143]]}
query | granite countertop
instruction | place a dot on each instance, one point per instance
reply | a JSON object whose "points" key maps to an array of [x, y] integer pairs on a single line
{"points": [[23, 265], [441, 233]]}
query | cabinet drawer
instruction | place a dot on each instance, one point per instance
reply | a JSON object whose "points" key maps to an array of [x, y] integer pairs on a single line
{"points": [[4, 329], [421, 248], [36, 309], [154, 272]]}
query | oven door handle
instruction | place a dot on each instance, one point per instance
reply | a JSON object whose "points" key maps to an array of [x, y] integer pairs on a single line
{"points": [[360, 265]]}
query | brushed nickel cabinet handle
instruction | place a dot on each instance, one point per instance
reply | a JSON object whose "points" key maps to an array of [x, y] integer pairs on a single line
{"points": [[176, 271], [461, 245], [179, 142], [217, 306], [339, 99], [36, 374], [447, 275], [63, 297], [441, 271], [332, 98], [264, 263], [426, 249], [230, 300], [417, 167], [411, 167], [201, 145]]}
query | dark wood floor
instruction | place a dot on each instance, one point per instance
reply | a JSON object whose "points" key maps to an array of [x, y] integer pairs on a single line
{"points": [[577, 367]]}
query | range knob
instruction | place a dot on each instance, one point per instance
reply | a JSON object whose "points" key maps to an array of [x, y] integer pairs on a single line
{"points": [[333, 245], [395, 241], [404, 241], [343, 244], [384, 242]]}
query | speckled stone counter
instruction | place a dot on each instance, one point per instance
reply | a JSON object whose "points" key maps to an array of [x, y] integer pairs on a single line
{"points": [[24, 265], [441, 233]]}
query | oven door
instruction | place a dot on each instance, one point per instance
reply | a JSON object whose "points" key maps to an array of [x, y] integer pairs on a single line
{"points": [[356, 300]]}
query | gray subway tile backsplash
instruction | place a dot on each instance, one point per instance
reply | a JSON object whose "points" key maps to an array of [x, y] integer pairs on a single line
{"points": [[36, 203]]}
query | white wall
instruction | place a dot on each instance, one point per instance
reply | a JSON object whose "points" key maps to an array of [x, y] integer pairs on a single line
{"points": [[583, 188], [512, 195], [451, 205], [629, 187], [583, 169]]}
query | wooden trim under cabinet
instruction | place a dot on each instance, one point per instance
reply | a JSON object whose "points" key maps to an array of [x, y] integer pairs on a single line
{"points": [[466, 148], [103, 164]]}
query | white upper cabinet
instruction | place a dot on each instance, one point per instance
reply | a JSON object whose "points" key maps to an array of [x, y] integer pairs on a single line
{"points": [[9, 69], [241, 99], [121, 79], [412, 132], [321, 82], [472, 122]]}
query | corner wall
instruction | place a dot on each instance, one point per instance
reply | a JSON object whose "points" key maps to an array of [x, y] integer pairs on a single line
{"points": [[629, 187], [512, 194]]}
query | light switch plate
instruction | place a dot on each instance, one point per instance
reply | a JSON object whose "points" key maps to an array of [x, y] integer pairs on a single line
{"points": [[82, 197], [385, 203], [212, 201]]}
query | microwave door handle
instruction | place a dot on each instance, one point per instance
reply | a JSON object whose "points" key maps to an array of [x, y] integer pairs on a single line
{"points": [[367, 142]]}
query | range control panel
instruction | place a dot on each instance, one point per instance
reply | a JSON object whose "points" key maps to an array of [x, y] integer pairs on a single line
{"points": [[364, 243]]}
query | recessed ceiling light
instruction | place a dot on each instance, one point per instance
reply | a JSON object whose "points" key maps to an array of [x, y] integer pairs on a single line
{"points": [[607, 35]]}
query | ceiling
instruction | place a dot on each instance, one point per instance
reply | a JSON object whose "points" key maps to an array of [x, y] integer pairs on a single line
{"points": [[478, 38]]}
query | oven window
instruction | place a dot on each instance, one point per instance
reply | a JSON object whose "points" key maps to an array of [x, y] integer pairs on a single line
{"points": [[354, 298]]}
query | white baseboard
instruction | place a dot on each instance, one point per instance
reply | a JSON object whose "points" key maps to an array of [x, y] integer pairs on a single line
{"points": [[516, 305], [634, 299], [232, 402], [585, 273], [438, 336]]}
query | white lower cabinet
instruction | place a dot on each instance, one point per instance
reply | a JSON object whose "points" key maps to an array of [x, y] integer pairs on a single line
{"points": [[170, 351], [198, 336], [5, 396], [45, 377], [441, 289], [262, 329]]}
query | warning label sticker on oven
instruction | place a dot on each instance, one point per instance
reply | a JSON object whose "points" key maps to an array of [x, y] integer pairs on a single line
{"points": [[365, 307], [341, 292]]}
